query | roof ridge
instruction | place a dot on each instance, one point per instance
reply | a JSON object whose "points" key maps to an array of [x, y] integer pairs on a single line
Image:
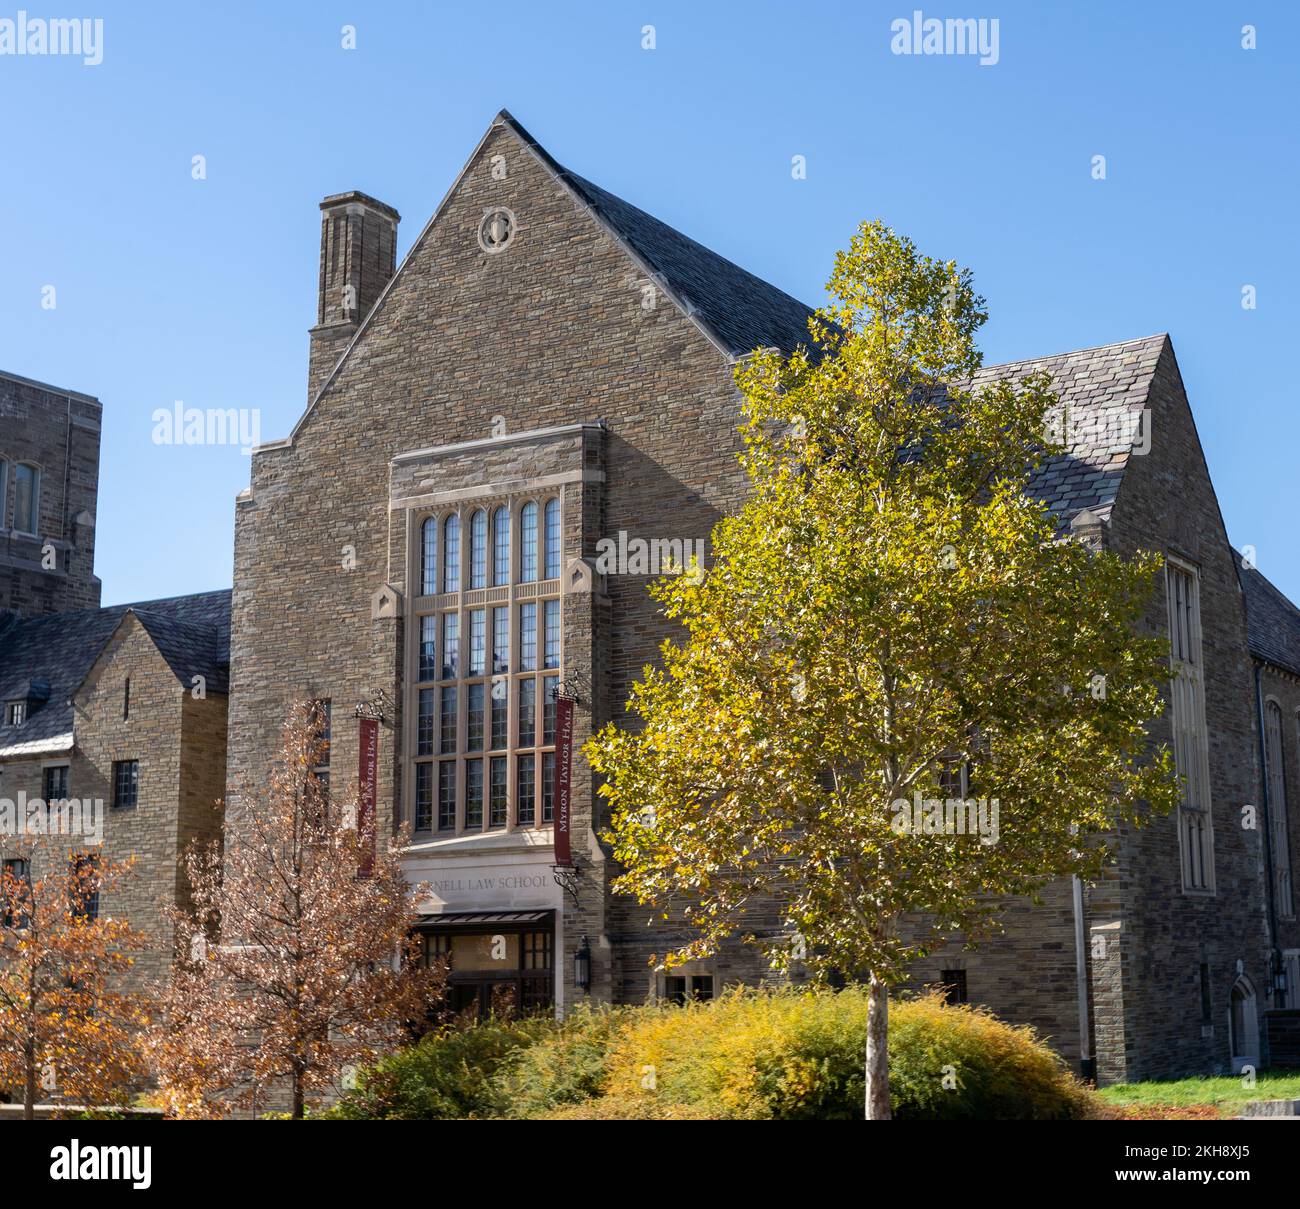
{"points": [[1074, 352], [667, 277], [1253, 569], [584, 185], [141, 604], [568, 181]]}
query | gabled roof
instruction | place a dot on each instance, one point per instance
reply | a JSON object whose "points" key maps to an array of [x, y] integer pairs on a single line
{"points": [[1103, 390], [191, 632], [735, 310], [192, 647], [739, 311], [1272, 621]]}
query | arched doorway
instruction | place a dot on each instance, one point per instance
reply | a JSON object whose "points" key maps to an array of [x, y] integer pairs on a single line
{"points": [[1243, 1025]]}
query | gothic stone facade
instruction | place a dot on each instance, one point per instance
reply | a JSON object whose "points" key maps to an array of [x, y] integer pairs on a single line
{"points": [[122, 695], [124, 707], [49, 479], [548, 351]]}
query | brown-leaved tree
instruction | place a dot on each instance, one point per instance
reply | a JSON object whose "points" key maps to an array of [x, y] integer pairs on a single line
{"points": [[296, 959], [69, 1032]]}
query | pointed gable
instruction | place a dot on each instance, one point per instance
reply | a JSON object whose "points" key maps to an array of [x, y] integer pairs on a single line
{"points": [[1272, 621], [741, 312], [735, 310], [1103, 392], [60, 650]]}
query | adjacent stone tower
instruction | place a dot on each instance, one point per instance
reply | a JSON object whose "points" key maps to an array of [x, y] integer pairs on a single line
{"points": [[358, 257], [49, 483]]}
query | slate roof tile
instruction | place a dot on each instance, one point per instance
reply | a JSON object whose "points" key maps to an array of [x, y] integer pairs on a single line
{"points": [[191, 632], [1272, 621]]}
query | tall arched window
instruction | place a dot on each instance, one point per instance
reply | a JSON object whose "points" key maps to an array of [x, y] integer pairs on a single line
{"points": [[478, 549], [27, 497], [1277, 810], [451, 554], [429, 557], [528, 543], [501, 540], [552, 569]]}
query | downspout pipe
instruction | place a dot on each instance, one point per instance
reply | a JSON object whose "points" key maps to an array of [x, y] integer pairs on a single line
{"points": [[1087, 1063], [1267, 810]]}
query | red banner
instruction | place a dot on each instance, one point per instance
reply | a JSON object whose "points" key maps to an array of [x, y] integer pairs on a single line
{"points": [[563, 780], [367, 788]]}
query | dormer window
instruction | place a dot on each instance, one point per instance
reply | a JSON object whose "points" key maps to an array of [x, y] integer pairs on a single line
{"points": [[27, 699]]}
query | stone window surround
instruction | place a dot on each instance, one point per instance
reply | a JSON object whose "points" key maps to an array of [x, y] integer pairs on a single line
{"points": [[1291, 963], [46, 766], [484, 486], [1175, 564], [124, 784], [510, 596], [702, 968], [38, 473]]}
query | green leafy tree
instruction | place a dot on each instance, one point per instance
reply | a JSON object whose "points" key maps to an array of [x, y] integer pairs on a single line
{"points": [[893, 626]]}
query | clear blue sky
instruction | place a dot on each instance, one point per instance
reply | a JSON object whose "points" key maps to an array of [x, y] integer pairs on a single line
{"points": [[170, 288]]}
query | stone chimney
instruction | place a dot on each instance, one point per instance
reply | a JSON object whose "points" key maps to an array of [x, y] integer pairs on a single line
{"points": [[358, 257]]}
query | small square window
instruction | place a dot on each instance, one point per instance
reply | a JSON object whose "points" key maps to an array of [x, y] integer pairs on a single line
{"points": [[16, 713], [126, 784], [678, 988], [85, 881], [953, 983], [56, 783]]}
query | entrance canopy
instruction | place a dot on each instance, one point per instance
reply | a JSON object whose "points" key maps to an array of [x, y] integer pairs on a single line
{"points": [[484, 919]]}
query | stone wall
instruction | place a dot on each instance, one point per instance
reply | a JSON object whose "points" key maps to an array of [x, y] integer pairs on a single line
{"points": [[455, 344], [58, 432], [151, 734], [1167, 504]]}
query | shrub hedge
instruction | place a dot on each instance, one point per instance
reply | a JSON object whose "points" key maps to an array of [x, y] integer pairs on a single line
{"points": [[749, 1055]]}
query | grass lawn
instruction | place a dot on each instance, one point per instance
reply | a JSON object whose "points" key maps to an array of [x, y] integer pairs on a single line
{"points": [[1206, 1098]]}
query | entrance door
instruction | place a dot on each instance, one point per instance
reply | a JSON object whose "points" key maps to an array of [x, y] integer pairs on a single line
{"points": [[1244, 1025], [495, 966]]}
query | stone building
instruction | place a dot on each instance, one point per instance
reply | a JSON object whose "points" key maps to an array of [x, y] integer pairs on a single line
{"points": [[1273, 634], [49, 479], [550, 368], [1145, 975], [121, 710]]}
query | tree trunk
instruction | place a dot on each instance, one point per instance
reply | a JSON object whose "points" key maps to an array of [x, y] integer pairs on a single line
{"points": [[29, 1088], [878, 1051], [297, 1095]]}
